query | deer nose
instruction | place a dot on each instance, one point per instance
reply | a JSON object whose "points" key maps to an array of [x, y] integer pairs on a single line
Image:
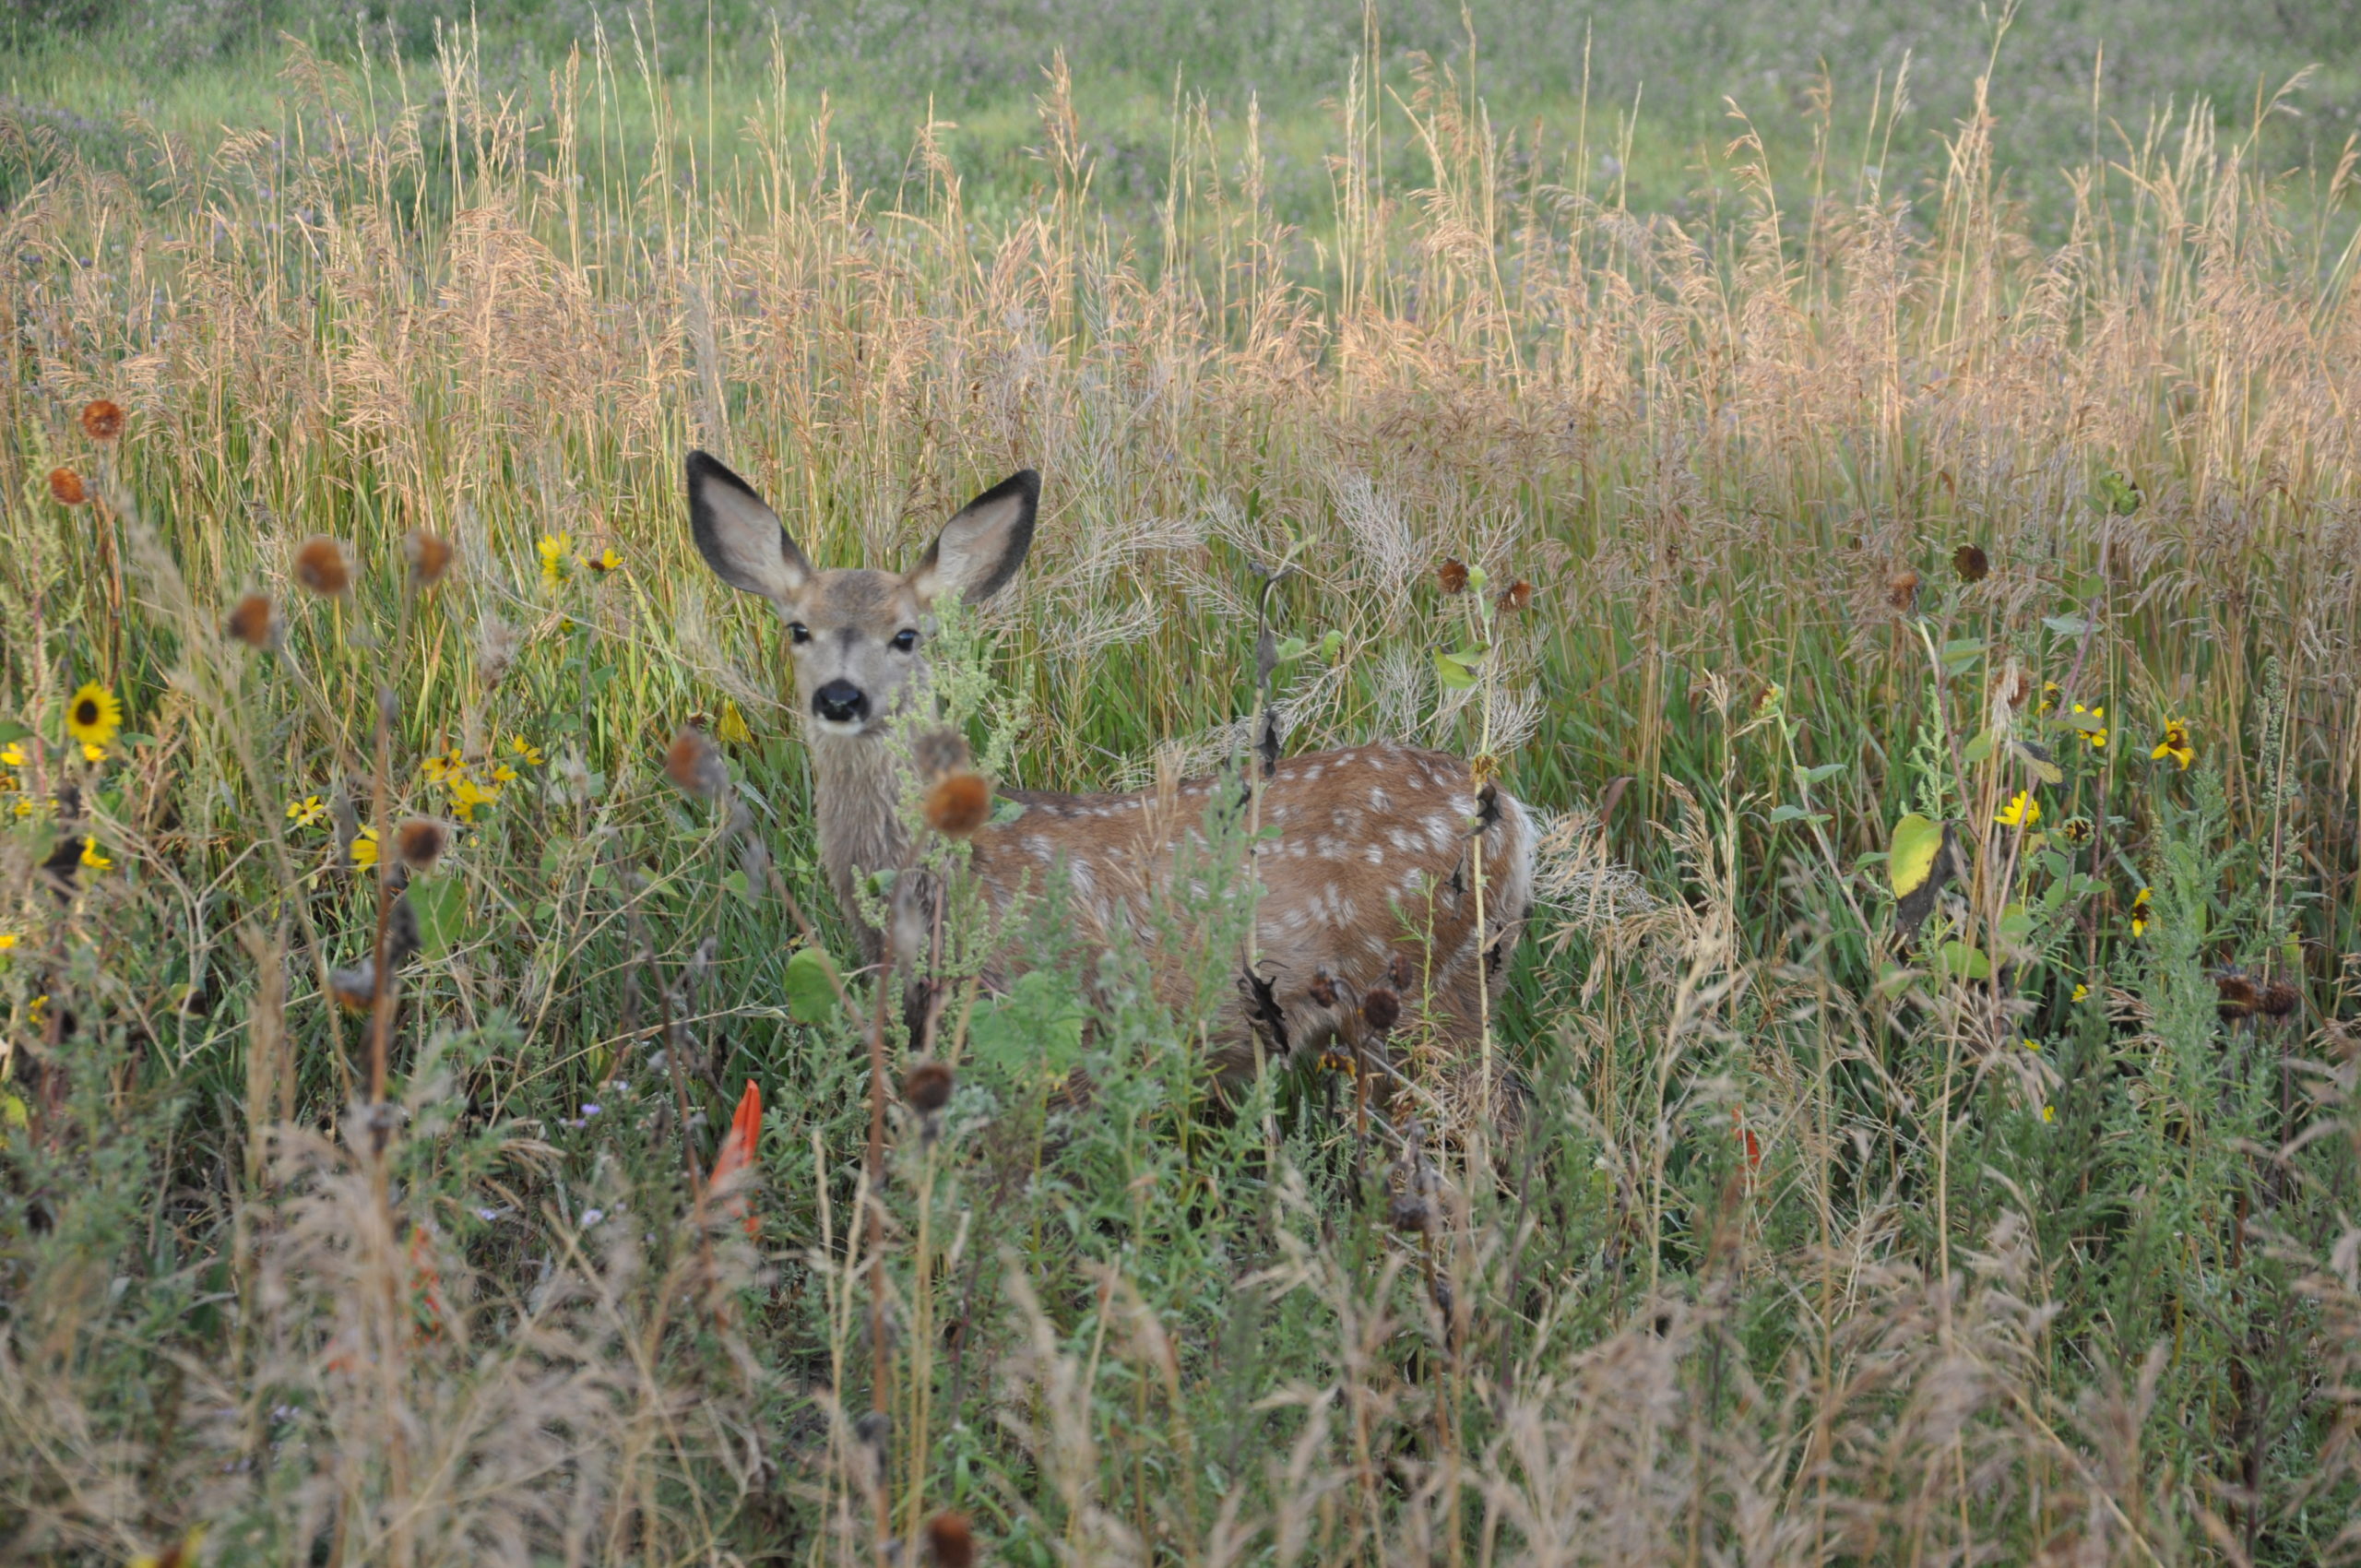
{"points": [[840, 702]]}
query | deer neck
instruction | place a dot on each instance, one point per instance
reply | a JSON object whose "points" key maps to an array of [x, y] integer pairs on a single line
{"points": [[857, 802]]}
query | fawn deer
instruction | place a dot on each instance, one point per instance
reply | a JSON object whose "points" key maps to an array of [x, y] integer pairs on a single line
{"points": [[1390, 867]]}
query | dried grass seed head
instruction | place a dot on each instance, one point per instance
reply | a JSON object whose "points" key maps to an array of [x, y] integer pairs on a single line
{"points": [[102, 419], [959, 805], [320, 566]]}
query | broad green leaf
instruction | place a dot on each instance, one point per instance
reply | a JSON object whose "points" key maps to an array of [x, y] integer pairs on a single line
{"points": [[441, 905], [1033, 1036], [1006, 811], [1820, 774], [1293, 648], [735, 880], [1979, 748], [811, 986], [1962, 654], [2037, 758], [2067, 626], [1963, 962], [1457, 671], [1910, 853], [1796, 813], [10, 731]]}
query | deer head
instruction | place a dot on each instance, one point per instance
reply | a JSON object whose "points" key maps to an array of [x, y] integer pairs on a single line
{"points": [[856, 635]]}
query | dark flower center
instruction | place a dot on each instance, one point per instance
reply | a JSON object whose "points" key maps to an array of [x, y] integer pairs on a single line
{"points": [[86, 712]]}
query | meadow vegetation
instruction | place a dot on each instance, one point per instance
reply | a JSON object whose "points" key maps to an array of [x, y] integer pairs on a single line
{"points": [[1922, 1125]]}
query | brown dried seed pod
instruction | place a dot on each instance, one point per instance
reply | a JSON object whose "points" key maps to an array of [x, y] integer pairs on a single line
{"points": [[430, 556], [926, 1088], [355, 988], [1452, 574], [101, 420], [319, 566], [958, 805], [1970, 562], [65, 487], [950, 1541], [253, 621], [2238, 996], [1516, 597], [1323, 989], [1902, 590], [1404, 971], [1381, 1009], [1408, 1211], [692, 763], [2278, 1000], [420, 842]]}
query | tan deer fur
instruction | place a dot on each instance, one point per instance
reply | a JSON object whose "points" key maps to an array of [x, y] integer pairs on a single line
{"points": [[1374, 878]]}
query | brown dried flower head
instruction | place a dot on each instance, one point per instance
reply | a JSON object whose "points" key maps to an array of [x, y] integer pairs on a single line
{"points": [[950, 1541], [1452, 574], [1381, 1009], [2238, 996], [1409, 1211], [1323, 989], [1404, 971], [692, 763], [1517, 596], [319, 566], [1970, 562], [430, 556], [420, 842], [356, 988], [927, 1088], [958, 805], [2278, 1000], [1902, 590], [101, 420], [65, 487], [254, 621]]}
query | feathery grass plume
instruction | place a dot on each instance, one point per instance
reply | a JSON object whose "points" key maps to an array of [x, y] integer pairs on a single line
{"points": [[958, 805], [254, 621], [1972, 565], [101, 420], [950, 1541], [694, 766], [430, 556], [65, 487], [320, 566], [420, 842]]}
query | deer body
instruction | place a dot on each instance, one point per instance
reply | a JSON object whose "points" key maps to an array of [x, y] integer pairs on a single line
{"points": [[1390, 866]]}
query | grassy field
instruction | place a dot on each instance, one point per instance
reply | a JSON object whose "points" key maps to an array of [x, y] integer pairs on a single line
{"points": [[1876, 487]]}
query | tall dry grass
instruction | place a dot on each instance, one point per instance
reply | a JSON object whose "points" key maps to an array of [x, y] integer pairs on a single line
{"points": [[1795, 1251]]}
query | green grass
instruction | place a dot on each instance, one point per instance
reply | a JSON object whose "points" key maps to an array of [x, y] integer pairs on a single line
{"points": [[1800, 1236]]}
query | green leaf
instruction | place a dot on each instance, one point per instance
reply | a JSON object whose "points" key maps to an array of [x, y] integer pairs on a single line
{"points": [[1457, 671], [441, 905], [1807, 776], [811, 986], [1331, 646], [1477, 578], [2089, 724], [1006, 811], [735, 880], [1963, 962], [12, 732], [1961, 654], [1293, 648], [1919, 861], [2114, 494], [1796, 813], [1979, 748], [2037, 759], [2067, 626], [1033, 1035]]}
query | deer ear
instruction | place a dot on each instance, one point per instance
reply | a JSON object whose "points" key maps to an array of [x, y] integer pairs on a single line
{"points": [[978, 550], [741, 538]]}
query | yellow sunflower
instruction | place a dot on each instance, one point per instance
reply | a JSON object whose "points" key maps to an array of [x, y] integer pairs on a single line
{"points": [[95, 858], [309, 812], [2175, 744], [364, 848], [2096, 735], [93, 716], [2023, 811], [2139, 913], [554, 548]]}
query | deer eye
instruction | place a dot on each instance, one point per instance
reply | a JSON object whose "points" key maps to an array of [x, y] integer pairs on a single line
{"points": [[905, 640], [797, 633]]}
